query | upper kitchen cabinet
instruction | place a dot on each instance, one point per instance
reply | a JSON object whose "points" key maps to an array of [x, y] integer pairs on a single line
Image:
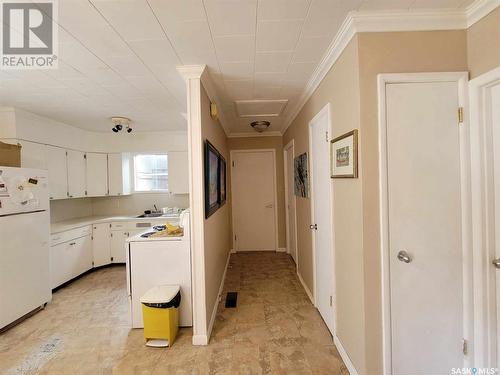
{"points": [[178, 177], [76, 174], [58, 172], [119, 174], [97, 174], [33, 155]]}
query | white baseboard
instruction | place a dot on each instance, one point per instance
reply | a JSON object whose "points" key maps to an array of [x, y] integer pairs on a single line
{"points": [[233, 251], [200, 340], [344, 356], [219, 295], [308, 292], [281, 250]]}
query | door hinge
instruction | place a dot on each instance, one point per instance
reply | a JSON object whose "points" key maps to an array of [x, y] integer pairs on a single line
{"points": [[235, 237], [111, 234], [233, 164], [331, 301], [326, 136], [460, 115], [465, 347], [85, 156], [85, 192]]}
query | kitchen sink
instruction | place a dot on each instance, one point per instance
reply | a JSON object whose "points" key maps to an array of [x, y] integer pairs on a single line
{"points": [[151, 215]]}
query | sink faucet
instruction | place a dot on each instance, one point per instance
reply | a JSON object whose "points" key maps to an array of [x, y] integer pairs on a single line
{"points": [[156, 208]]}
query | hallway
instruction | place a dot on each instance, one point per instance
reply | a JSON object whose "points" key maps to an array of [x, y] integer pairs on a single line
{"points": [[85, 330]]}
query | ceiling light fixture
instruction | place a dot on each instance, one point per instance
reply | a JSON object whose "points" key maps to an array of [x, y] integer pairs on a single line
{"points": [[119, 123], [260, 126]]}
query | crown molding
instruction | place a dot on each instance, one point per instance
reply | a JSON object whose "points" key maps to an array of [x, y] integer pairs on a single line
{"points": [[255, 135], [378, 21], [479, 9]]}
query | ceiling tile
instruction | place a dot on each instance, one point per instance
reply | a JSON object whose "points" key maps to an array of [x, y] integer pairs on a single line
{"points": [[269, 79], [267, 92], [237, 70], [278, 35], [385, 4], [311, 49], [241, 89], [266, 62], [325, 16], [438, 4], [231, 17], [235, 48], [282, 9], [155, 51], [173, 11]]}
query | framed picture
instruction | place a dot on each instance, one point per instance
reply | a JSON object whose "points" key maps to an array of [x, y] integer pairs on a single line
{"points": [[301, 178], [212, 202], [344, 155], [222, 180]]}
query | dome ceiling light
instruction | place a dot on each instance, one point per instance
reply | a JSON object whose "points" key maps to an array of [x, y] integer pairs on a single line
{"points": [[121, 123], [260, 126]]}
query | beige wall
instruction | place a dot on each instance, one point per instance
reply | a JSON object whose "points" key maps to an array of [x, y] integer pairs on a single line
{"points": [[217, 227], [340, 88], [275, 143], [483, 41]]}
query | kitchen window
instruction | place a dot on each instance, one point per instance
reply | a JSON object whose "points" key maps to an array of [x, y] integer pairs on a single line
{"points": [[151, 173]]}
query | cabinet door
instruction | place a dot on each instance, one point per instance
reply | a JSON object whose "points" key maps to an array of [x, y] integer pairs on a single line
{"points": [[58, 172], [97, 174], [101, 244], [33, 155], [79, 257], [76, 174], [178, 172], [118, 174], [58, 272], [118, 252]]}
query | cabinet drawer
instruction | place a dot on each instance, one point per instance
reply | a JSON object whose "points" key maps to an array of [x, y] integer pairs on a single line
{"points": [[69, 235], [133, 225]]}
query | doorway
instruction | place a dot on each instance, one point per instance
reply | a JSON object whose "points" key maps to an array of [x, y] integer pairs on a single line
{"points": [[485, 156], [321, 215], [291, 219], [425, 223], [254, 209]]}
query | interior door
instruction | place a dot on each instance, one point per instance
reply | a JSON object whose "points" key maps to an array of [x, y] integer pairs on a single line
{"points": [[321, 191], [424, 211], [254, 192], [290, 202], [495, 125]]}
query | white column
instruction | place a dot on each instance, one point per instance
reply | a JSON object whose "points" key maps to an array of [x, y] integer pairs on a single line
{"points": [[192, 74]]}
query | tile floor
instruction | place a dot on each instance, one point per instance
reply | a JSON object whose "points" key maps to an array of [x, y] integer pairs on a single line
{"points": [[85, 330]]}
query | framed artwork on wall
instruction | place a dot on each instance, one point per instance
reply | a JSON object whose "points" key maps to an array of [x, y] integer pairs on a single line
{"points": [[222, 180], [301, 178], [212, 182], [344, 155]]}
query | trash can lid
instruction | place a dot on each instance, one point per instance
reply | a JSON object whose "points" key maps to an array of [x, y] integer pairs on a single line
{"points": [[160, 294]]}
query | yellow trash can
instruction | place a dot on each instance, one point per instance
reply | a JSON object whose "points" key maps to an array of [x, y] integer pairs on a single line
{"points": [[160, 313]]}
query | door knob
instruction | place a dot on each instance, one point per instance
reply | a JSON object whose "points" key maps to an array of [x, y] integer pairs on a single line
{"points": [[313, 226], [496, 262], [404, 257]]}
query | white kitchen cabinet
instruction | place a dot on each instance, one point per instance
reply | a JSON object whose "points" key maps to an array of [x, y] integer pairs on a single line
{"points": [[33, 155], [58, 172], [70, 258], [97, 174], [118, 252], [76, 174], [119, 174], [178, 172], [101, 244]]}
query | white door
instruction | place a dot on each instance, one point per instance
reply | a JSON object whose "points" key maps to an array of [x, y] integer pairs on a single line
{"points": [[424, 218], [291, 234], [101, 244], [118, 251], [254, 195], [76, 174], [58, 172], [321, 202], [97, 174], [495, 124]]}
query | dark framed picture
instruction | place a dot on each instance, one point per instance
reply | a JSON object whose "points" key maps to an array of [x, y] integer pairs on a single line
{"points": [[301, 178], [212, 191], [344, 155], [222, 180]]}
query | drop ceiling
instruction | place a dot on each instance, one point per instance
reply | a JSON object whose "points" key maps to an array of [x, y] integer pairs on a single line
{"points": [[119, 57]]}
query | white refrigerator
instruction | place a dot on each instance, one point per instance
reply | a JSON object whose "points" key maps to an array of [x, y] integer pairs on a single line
{"points": [[24, 242]]}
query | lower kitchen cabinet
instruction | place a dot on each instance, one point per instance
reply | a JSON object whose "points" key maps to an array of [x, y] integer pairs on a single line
{"points": [[101, 245], [118, 252], [70, 259]]}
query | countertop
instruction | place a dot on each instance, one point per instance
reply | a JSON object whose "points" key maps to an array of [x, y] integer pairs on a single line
{"points": [[62, 226], [138, 238]]}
